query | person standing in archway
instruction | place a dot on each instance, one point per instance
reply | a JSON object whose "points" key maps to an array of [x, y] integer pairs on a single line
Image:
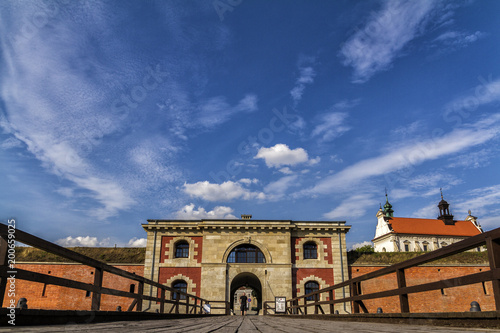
{"points": [[243, 304]]}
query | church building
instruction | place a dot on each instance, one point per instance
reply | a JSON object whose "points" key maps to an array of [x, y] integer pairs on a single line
{"points": [[216, 259], [404, 234]]}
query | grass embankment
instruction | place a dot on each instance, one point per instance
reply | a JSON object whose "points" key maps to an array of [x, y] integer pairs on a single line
{"points": [[120, 255], [389, 258]]}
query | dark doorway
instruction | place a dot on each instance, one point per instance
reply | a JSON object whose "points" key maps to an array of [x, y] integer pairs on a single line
{"points": [[249, 281]]}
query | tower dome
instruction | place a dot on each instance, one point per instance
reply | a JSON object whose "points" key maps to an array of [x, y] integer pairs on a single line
{"points": [[388, 211]]}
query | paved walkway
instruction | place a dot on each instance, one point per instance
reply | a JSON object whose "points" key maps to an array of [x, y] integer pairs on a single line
{"points": [[252, 324]]}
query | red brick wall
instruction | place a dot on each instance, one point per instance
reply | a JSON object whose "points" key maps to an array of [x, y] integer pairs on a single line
{"points": [[194, 273], [455, 299], [299, 274], [67, 298], [165, 240], [164, 253]]}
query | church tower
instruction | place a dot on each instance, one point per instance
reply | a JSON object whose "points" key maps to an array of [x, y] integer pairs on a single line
{"points": [[388, 211], [444, 211]]}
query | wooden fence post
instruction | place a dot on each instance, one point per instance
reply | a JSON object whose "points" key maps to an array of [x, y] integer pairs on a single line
{"points": [[493, 246], [355, 305], [96, 295], [305, 305], [403, 298], [140, 292], [330, 298], [162, 303]]}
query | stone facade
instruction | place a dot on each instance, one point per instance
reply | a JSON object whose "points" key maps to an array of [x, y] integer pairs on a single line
{"points": [[208, 273]]}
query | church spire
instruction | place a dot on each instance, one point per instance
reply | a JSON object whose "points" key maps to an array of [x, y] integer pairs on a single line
{"points": [[388, 211], [444, 211]]}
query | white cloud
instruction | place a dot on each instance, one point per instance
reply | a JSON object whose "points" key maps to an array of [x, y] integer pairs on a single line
{"points": [[335, 158], [216, 111], [226, 191], [277, 189], [248, 181], [352, 207], [397, 194], [307, 75], [137, 242], [189, 212], [433, 180], [66, 191], [480, 198], [473, 160], [374, 47], [358, 245], [331, 126], [412, 154], [109, 194], [458, 39], [70, 112], [485, 93], [430, 211], [403, 132], [286, 171], [55, 110], [489, 222], [85, 241], [11, 143], [314, 161], [150, 158], [281, 154]]}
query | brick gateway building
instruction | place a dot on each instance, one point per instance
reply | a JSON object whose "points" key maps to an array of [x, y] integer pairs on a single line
{"points": [[215, 258]]}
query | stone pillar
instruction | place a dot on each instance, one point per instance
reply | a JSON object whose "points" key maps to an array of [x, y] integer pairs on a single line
{"points": [[340, 268]]}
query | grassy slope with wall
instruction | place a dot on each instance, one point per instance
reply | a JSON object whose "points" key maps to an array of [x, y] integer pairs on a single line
{"points": [[120, 255], [389, 258]]}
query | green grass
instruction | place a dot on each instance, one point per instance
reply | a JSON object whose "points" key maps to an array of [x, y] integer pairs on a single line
{"points": [[389, 258], [120, 255]]}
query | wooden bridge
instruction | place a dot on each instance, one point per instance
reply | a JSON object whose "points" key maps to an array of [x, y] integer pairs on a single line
{"points": [[247, 324], [302, 314]]}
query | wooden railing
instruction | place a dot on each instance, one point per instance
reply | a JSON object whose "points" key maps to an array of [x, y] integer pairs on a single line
{"points": [[192, 303], [300, 305]]}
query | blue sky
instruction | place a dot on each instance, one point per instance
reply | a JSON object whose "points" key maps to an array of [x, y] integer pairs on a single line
{"points": [[115, 112]]}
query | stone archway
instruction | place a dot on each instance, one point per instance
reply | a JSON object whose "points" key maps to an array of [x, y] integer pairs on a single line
{"points": [[249, 280]]}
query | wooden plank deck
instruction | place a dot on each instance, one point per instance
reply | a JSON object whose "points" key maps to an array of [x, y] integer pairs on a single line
{"points": [[251, 324]]}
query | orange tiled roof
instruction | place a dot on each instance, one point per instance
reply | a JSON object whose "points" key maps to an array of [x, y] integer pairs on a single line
{"points": [[407, 225]]}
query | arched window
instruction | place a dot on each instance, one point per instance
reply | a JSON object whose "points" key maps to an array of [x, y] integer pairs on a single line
{"points": [[181, 285], [407, 246], [246, 253], [310, 287], [310, 250], [384, 250], [443, 244], [182, 249]]}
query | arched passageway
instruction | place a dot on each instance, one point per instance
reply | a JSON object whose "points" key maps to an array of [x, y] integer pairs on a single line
{"points": [[245, 281]]}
